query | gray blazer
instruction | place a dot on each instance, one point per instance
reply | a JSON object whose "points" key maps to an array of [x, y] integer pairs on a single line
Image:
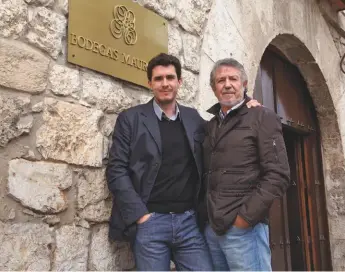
{"points": [[134, 160]]}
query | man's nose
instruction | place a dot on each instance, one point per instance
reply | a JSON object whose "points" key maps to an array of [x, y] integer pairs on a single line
{"points": [[227, 83], [165, 82]]}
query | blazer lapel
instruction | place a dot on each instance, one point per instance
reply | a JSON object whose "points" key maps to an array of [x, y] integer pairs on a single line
{"points": [[189, 126], [150, 121]]}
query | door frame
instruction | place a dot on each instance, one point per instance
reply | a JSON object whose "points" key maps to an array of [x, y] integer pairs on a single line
{"points": [[311, 192]]}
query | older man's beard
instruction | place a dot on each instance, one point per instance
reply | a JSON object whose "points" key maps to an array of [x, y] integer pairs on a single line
{"points": [[233, 103]]}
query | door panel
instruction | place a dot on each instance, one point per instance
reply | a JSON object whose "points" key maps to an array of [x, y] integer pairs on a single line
{"points": [[293, 204]]}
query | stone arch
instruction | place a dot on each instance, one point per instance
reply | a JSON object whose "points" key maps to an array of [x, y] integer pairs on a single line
{"points": [[331, 141], [243, 30]]}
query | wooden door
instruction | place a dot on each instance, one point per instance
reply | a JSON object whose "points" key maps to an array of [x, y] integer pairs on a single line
{"points": [[299, 236]]}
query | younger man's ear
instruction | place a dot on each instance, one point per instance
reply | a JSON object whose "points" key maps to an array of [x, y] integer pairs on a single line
{"points": [[180, 82]]}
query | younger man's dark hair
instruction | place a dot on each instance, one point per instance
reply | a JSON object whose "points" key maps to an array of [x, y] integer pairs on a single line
{"points": [[163, 60]]}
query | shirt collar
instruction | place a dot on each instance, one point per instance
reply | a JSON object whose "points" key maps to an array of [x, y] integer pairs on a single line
{"points": [[160, 113], [221, 113]]}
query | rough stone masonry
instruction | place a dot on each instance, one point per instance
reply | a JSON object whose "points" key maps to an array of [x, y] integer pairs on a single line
{"points": [[57, 119], [55, 131]]}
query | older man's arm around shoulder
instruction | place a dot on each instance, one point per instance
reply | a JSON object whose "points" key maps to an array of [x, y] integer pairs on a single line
{"points": [[274, 168], [129, 203]]}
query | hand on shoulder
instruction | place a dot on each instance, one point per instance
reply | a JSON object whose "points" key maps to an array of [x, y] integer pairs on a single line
{"points": [[253, 103]]}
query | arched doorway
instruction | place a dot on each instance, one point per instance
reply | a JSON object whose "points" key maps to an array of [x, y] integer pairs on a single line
{"points": [[299, 236]]}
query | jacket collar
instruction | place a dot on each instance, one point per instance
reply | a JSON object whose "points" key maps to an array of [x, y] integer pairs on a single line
{"points": [[151, 122], [216, 107], [161, 114]]}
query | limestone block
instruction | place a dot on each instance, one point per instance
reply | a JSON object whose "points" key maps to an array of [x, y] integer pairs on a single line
{"points": [[13, 16], [25, 247], [206, 97], [99, 212], [109, 124], [191, 14], [92, 187], [25, 123], [45, 3], [14, 121], [165, 8], [336, 202], [31, 213], [107, 256], [71, 249], [38, 107], [144, 98], [189, 86], [336, 226], [106, 94], [62, 6], [22, 68], [12, 214], [39, 185], [51, 219], [138, 94], [81, 222], [222, 39], [6, 212], [46, 31], [64, 81], [106, 147], [191, 51], [338, 251], [29, 155], [174, 41], [70, 133]]}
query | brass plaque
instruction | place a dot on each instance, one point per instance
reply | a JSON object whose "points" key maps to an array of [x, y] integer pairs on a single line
{"points": [[115, 37]]}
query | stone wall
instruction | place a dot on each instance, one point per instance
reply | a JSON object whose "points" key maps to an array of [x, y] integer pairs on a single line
{"points": [[57, 118], [55, 130]]}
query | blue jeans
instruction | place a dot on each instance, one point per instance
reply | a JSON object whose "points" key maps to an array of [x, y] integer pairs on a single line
{"points": [[240, 249], [176, 237]]}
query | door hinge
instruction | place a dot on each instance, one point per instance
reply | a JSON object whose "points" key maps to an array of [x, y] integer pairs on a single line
{"points": [[298, 240]]}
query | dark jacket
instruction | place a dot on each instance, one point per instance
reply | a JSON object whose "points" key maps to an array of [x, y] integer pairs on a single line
{"points": [[246, 165], [134, 161]]}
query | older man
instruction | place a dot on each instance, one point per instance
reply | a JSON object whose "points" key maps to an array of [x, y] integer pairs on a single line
{"points": [[246, 168]]}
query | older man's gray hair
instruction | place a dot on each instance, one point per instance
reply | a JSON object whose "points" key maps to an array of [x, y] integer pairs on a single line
{"points": [[227, 62]]}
